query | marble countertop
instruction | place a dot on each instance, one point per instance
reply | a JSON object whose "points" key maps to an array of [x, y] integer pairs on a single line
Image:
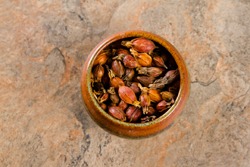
{"points": [[44, 45]]}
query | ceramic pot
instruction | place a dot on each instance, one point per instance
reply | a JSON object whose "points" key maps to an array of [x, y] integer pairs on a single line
{"points": [[126, 129]]}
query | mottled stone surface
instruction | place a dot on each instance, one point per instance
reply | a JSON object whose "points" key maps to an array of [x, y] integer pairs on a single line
{"points": [[43, 47]]}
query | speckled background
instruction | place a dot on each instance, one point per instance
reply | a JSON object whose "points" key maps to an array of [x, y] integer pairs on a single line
{"points": [[43, 47]]}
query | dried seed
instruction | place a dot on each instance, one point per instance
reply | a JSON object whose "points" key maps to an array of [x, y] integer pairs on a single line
{"points": [[117, 113], [128, 95], [140, 44]]}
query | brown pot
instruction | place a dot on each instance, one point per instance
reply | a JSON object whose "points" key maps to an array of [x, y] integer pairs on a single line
{"points": [[125, 129]]}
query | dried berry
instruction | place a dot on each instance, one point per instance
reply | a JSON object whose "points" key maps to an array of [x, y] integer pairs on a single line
{"points": [[151, 111], [128, 95], [130, 62], [159, 62], [134, 86], [123, 105], [133, 113], [145, 80], [118, 68], [154, 95], [129, 74], [101, 58], [163, 105], [145, 102], [115, 81], [168, 96], [117, 113], [150, 71], [143, 59], [140, 45], [169, 77], [98, 73]]}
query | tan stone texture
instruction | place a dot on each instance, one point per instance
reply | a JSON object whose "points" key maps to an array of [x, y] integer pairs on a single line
{"points": [[44, 44]]}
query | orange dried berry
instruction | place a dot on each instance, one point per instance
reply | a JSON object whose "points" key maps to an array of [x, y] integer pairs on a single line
{"points": [[128, 96], [101, 58], [154, 95], [143, 59]]}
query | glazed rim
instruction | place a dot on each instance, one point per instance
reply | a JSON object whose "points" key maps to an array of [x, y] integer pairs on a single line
{"points": [[155, 38]]}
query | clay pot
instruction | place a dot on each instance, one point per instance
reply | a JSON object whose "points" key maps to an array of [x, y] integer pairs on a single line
{"points": [[126, 129]]}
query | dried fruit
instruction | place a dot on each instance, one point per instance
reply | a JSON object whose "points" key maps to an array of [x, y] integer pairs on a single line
{"points": [[150, 71], [117, 113], [168, 96], [159, 62], [169, 77], [145, 102], [134, 86], [130, 62], [151, 111], [164, 105], [145, 80], [129, 74], [128, 95], [118, 68], [140, 45], [143, 59], [115, 81], [101, 58], [133, 113], [123, 105], [98, 73], [154, 95]]}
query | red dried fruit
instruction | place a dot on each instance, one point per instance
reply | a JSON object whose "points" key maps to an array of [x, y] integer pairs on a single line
{"points": [[130, 62], [123, 105], [133, 113], [129, 74], [117, 113], [159, 62], [145, 80], [134, 86], [140, 44], [118, 68], [128, 95]]}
